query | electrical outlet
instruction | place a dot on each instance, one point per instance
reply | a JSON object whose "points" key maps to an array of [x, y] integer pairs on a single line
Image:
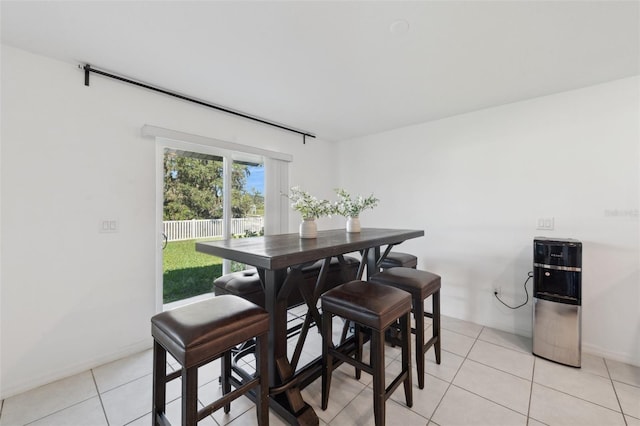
{"points": [[108, 226], [545, 223]]}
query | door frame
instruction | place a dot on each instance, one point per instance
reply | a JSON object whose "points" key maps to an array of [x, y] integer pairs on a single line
{"points": [[276, 165], [228, 157]]}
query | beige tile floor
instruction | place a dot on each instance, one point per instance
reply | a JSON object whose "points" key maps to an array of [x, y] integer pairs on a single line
{"points": [[487, 377]]}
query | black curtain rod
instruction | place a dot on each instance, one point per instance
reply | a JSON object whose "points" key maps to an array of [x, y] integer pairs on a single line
{"points": [[89, 69]]}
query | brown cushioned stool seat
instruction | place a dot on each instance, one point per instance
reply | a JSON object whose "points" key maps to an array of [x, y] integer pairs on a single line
{"points": [[420, 284], [396, 259], [376, 307], [202, 332], [246, 284]]}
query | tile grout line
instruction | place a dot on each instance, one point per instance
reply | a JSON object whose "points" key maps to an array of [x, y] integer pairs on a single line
{"points": [[136, 419], [478, 395], [366, 386], [473, 393], [490, 400], [503, 346], [95, 383], [548, 387], [67, 407], [615, 392], [577, 397], [58, 411], [395, 359], [502, 371], [343, 408], [457, 371], [533, 372]]}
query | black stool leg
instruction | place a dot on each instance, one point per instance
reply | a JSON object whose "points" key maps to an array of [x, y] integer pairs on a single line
{"points": [[345, 330], [359, 342], [377, 364], [418, 315], [225, 375], [436, 324], [262, 401], [189, 396], [327, 359], [405, 324], [159, 380]]}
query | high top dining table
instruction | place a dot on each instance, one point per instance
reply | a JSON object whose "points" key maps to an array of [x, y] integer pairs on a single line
{"points": [[279, 259]]}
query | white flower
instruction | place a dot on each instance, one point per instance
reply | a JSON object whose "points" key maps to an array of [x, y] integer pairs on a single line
{"points": [[349, 208], [308, 205]]}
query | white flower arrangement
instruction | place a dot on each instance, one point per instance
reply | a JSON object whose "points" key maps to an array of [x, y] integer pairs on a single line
{"points": [[352, 208], [309, 206]]}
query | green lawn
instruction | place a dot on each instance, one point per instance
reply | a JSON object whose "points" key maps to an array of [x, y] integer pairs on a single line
{"points": [[188, 273]]}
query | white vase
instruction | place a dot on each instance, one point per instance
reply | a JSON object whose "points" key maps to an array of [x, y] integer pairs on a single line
{"points": [[353, 224], [308, 228]]}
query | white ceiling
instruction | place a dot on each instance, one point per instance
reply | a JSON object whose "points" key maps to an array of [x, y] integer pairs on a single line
{"points": [[335, 68]]}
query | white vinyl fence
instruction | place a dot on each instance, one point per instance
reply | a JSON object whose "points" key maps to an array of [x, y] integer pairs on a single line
{"points": [[177, 230]]}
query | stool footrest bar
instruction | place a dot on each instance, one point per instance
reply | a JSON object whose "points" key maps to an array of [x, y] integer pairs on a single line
{"points": [[173, 375], [228, 398], [396, 382], [161, 420], [431, 342], [349, 360]]}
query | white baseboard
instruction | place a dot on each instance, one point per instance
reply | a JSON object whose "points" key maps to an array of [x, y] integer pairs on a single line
{"points": [[626, 358], [34, 382], [614, 356]]}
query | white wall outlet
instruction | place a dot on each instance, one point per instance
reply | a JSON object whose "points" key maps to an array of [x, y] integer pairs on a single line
{"points": [[545, 223], [108, 226]]}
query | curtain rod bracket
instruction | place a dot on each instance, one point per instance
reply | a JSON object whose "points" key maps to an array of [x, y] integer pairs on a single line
{"points": [[88, 69]]}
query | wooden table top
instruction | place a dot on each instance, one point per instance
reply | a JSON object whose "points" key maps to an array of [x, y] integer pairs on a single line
{"points": [[284, 250]]}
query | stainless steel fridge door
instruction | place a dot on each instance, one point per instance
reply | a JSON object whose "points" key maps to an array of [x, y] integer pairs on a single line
{"points": [[557, 333]]}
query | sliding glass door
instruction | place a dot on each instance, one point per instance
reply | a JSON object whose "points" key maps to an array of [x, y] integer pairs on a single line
{"points": [[206, 189], [207, 195]]}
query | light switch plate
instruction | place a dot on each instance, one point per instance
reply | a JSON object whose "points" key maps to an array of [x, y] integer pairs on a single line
{"points": [[545, 223], [108, 226]]}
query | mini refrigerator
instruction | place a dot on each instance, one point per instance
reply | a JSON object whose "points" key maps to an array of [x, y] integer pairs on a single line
{"points": [[557, 300]]}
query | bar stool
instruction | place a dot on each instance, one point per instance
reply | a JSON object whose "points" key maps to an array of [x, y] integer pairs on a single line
{"points": [[202, 332], [376, 307], [246, 284], [421, 284], [397, 259]]}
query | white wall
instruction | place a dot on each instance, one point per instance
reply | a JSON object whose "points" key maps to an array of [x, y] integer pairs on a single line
{"points": [[477, 183], [71, 297]]}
